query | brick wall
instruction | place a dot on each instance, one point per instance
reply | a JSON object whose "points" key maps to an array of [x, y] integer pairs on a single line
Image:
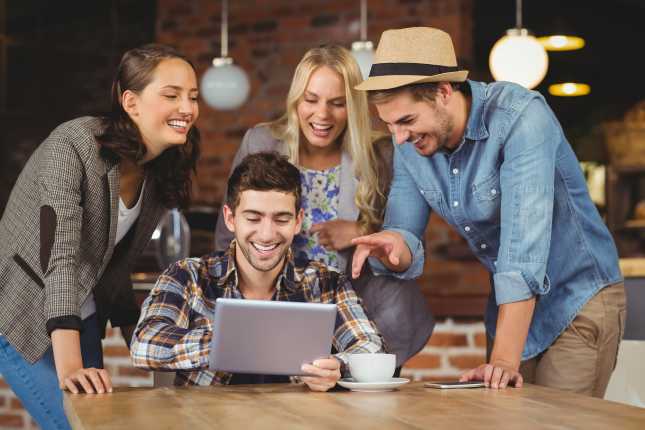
{"points": [[267, 39]]}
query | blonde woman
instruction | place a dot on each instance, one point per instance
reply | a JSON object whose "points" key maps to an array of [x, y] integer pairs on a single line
{"points": [[345, 175]]}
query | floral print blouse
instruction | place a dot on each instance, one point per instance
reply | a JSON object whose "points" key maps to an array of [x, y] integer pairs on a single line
{"points": [[320, 190]]}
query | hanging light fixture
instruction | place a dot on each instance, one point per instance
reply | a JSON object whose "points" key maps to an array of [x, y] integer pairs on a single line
{"points": [[225, 86], [363, 50], [561, 36], [569, 89], [518, 56]]}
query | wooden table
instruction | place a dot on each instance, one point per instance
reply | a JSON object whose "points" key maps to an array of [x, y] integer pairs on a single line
{"points": [[287, 406]]}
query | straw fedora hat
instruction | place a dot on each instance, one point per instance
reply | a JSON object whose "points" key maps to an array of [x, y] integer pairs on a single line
{"points": [[412, 56]]}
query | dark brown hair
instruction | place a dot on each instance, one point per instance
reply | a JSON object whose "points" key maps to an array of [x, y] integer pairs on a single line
{"points": [[425, 91], [121, 138], [263, 171]]}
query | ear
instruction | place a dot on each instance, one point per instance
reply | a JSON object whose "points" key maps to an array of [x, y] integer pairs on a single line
{"points": [[299, 218], [444, 92], [130, 103], [229, 218]]}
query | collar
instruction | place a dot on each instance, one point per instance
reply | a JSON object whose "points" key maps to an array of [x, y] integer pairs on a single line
{"points": [[475, 127], [286, 279]]}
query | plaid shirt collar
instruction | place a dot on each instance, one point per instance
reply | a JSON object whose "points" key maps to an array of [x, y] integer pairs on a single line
{"points": [[288, 277]]}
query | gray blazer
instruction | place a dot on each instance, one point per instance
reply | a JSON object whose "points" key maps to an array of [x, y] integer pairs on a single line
{"points": [[57, 234], [397, 307]]}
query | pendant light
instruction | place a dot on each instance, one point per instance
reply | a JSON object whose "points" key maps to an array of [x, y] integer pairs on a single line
{"points": [[561, 37], [363, 50], [518, 56], [225, 86], [569, 89]]}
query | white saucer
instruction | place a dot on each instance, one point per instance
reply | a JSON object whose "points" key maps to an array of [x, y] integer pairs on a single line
{"points": [[373, 386]]}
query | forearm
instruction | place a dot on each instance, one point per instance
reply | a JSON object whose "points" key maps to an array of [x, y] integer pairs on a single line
{"points": [[66, 345], [513, 323]]}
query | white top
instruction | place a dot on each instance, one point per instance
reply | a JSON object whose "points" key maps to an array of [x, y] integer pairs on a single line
{"points": [[127, 218]]}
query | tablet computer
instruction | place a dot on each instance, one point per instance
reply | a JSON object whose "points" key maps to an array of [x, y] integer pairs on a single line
{"points": [[454, 384], [270, 337]]}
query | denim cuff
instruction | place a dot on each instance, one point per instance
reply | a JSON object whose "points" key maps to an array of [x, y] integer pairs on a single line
{"points": [[416, 249], [517, 286]]}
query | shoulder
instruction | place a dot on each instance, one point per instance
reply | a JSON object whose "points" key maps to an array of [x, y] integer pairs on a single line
{"points": [[507, 96], [189, 270], [77, 135], [260, 138]]}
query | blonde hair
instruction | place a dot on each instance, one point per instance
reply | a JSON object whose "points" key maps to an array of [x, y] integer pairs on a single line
{"points": [[357, 136]]}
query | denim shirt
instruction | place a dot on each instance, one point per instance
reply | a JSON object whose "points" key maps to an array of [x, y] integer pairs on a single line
{"points": [[515, 191]]}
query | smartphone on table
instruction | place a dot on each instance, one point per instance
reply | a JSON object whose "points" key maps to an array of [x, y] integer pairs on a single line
{"points": [[454, 384]]}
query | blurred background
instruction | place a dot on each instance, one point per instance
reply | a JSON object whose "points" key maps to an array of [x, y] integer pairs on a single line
{"points": [[57, 60]]}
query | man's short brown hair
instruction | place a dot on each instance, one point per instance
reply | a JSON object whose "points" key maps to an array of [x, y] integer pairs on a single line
{"points": [[263, 171], [426, 91]]}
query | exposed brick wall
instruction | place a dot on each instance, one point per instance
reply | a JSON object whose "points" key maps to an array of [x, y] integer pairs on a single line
{"points": [[268, 39]]}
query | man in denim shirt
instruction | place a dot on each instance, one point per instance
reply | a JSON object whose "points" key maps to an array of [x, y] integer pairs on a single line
{"points": [[493, 161]]}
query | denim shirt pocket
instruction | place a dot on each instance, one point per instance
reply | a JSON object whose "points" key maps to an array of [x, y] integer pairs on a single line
{"points": [[435, 199], [487, 197]]}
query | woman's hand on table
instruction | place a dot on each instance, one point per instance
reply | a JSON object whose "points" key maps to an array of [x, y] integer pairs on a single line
{"points": [[91, 381], [337, 234], [494, 375], [324, 373]]}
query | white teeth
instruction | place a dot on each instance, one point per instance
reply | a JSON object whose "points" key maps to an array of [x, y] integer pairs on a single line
{"points": [[177, 123], [264, 248], [321, 127], [417, 140]]}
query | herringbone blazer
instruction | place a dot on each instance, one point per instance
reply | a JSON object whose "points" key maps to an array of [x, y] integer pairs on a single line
{"points": [[57, 240]]}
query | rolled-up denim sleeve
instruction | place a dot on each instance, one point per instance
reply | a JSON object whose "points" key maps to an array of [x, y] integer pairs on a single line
{"points": [[527, 177], [406, 213]]}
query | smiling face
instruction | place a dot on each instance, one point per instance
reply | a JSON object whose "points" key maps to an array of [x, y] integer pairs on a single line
{"points": [[167, 107], [264, 224], [322, 110], [428, 125]]}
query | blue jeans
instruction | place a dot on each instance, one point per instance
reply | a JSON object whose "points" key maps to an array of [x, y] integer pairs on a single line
{"points": [[36, 385]]}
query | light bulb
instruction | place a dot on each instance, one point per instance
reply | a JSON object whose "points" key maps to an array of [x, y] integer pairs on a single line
{"points": [[518, 57], [225, 86]]}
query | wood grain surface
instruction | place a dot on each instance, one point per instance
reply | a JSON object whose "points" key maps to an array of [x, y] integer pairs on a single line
{"points": [[288, 406]]}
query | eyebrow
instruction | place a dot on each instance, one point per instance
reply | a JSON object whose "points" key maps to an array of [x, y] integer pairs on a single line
{"points": [[309, 93], [276, 214], [401, 120], [178, 88]]}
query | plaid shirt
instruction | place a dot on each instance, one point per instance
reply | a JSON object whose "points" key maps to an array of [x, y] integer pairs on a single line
{"points": [[175, 329]]}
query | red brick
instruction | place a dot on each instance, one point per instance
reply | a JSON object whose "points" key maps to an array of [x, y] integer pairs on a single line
{"points": [[467, 361], [424, 361], [116, 351], [448, 339], [3, 400], [16, 403], [3, 384], [133, 372], [11, 421], [480, 340]]}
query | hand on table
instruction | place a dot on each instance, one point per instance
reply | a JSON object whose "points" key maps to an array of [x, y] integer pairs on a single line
{"points": [[324, 373], [90, 380], [495, 375], [336, 234]]}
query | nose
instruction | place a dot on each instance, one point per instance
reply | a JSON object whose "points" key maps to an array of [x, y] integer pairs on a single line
{"points": [[266, 231], [400, 135], [322, 111], [186, 105]]}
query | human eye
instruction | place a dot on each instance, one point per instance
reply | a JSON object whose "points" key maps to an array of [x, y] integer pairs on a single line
{"points": [[170, 96], [339, 104], [253, 219]]}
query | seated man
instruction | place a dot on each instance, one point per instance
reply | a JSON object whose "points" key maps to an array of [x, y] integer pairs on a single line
{"points": [[263, 211]]}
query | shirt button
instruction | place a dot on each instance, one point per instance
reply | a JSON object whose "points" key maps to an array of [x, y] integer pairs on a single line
{"points": [[422, 192], [455, 203], [455, 171], [483, 246], [467, 228], [493, 191]]}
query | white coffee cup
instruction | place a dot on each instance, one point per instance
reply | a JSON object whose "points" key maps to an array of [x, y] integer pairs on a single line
{"points": [[367, 367]]}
